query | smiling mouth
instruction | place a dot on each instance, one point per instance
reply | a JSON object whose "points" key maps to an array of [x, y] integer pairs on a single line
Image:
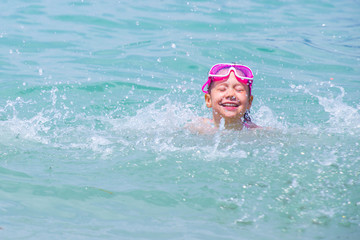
{"points": [[229, 104]]}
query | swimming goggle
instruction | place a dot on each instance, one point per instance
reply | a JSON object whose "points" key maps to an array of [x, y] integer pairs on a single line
{"points": [[237, 69]]}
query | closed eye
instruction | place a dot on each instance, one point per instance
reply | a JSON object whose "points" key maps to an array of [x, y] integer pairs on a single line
{"points": [[239, 89], [222, 88]]}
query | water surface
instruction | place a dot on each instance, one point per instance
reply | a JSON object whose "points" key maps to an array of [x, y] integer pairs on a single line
{"points": [[94, 97]]}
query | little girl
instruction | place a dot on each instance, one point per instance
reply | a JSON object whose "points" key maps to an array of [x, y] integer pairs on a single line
{"points": [[229, 95]]}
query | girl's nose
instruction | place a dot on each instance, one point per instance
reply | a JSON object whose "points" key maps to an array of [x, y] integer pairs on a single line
{"points": [[230, 93]]}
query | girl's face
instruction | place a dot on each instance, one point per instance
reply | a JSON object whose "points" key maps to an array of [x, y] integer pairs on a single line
{"points": [[229, 99]]}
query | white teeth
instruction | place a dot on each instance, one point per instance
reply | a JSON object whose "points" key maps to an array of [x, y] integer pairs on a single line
{"points": [[229, 105]]}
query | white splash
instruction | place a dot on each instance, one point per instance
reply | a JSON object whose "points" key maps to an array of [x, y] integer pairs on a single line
{"points": [[341, 114]]}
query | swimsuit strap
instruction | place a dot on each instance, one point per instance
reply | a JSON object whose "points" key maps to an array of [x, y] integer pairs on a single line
{"points": [[249, 124]]}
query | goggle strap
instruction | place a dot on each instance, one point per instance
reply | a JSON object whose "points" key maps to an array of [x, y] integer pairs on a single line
{"points": [[207, 83]]}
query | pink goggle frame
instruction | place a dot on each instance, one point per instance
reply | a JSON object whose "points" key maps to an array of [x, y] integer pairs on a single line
{"points": [[242, 73]]}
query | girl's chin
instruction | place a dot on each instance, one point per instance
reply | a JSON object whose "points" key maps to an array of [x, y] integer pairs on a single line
{"points": [[232, 116]]}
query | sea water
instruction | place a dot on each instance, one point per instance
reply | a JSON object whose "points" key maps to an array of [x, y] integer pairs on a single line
{"points": [[94, 97]]}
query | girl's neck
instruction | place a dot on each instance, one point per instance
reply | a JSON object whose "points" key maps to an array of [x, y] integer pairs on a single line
{"points": [[234, 124]]}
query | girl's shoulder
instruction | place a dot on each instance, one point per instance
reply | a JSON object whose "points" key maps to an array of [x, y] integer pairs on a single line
{"points": [[201, 125], [207, 121]]}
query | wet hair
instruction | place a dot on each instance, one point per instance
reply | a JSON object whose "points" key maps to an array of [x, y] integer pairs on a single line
{"points": [[247, 117], [209, 87]]}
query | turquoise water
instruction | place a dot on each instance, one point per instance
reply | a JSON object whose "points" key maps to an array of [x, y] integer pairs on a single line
{"points": [[94, 96]]}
